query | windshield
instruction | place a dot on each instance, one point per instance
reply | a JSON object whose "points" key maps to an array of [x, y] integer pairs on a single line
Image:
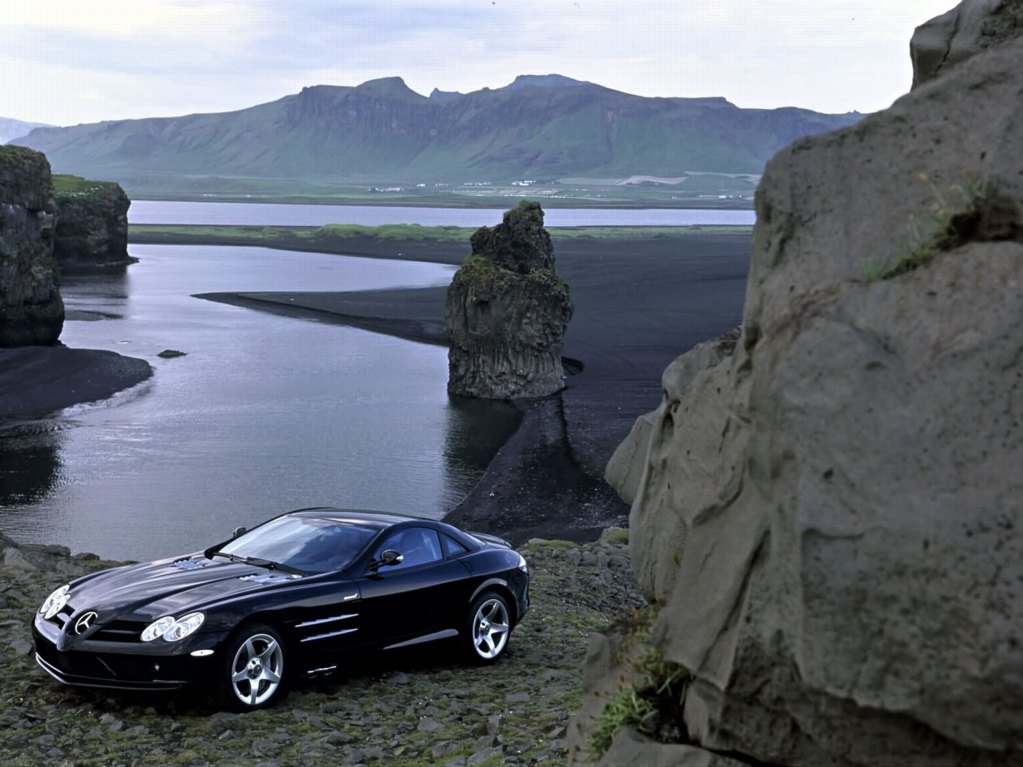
{"points": [[311, 544]]}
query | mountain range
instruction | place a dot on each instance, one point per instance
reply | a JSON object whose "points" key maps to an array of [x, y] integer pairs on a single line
{"points": [[381, 132], [11, 129]]}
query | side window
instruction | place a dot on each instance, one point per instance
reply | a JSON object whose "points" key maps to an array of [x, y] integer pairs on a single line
{"points": [[454, 548], [417, 545]]}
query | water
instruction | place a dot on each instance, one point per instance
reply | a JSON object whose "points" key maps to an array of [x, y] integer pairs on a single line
{"points": [[264, 414], [258, 214]]}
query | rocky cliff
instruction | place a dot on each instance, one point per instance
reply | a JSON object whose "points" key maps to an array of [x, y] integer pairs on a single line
{"points": [[31, 309], [92, 223], [826, 507], [507, 311]]}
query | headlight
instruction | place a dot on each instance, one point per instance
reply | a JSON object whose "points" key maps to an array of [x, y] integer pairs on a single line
{"points": [[157, 628], [172, 629], [55, 602], [522, 564], [184, 626]]}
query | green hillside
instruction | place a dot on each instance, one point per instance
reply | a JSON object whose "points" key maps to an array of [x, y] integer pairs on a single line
{"points": [[381, 138]]}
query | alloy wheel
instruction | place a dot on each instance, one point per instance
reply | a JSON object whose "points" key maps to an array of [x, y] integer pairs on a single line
{"points": [[490, 627], [257, 669]]}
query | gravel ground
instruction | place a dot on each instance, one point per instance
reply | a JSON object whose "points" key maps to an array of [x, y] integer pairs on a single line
{"points": [[415, 709]]}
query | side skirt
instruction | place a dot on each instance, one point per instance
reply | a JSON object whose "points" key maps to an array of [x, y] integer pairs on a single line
{"points": [[445, 634]]}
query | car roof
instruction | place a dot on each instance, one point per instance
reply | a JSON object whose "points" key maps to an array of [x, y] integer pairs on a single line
{"points": [[378, 520]]}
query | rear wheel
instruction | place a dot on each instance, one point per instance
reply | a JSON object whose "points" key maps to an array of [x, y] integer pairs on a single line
{"points": [[253, 672], [489, 627]]}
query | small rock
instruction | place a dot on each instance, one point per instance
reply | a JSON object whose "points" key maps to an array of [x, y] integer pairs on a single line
{"points": [[264, 746], [487, 741], [14, 559], [482, 756], [443, 748], [428, 724], [339, 739], [168, 354], [517, 697], [21, 646]]}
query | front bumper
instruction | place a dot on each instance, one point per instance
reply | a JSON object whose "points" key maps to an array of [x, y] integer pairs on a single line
{"points": [[127, 666]]}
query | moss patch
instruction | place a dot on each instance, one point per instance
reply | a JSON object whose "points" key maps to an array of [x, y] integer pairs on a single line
{"points": [[973, 211]]}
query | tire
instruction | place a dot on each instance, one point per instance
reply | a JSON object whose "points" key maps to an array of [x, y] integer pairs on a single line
{"points": [[489, 628], [252, 674]]}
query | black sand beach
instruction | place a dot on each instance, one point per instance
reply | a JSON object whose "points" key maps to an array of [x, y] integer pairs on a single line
{"points": [[639, 303], [39, 379]]}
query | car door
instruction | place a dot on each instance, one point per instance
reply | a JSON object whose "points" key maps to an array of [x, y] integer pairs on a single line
{"points": [[415, 600]]}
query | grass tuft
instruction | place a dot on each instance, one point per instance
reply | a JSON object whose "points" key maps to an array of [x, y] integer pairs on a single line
{"points": [[653, 702], [954, 216]]}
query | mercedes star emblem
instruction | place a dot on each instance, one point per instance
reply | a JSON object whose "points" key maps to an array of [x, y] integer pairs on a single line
{"points": [[84, 623]]}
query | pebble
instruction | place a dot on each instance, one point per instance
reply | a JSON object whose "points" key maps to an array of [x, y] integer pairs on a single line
{"points": [[339, 739], [429, 724]]}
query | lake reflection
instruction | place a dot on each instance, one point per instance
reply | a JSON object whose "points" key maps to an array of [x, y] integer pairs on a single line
{"points": [[264, 413], [29, 463]]}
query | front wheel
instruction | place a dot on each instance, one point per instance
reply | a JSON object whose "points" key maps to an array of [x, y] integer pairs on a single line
{"points": [[489, 628], [253, 676]]}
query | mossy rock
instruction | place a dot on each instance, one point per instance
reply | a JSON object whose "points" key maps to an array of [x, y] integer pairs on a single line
{"points": [[25, 178]]}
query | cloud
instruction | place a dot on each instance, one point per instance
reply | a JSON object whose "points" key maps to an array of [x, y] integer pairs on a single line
{"points": [[104, 59]]}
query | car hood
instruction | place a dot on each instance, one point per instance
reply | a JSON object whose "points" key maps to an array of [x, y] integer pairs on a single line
{"points": [[170, 586]]}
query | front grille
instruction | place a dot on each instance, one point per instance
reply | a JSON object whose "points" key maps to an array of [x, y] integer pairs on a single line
{"points": [[120, 631]]}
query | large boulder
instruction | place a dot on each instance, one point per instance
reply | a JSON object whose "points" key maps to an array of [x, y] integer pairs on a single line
{"points": [[31, 309], [950, 39], [828, 508], [507, 312], [92, 223]]}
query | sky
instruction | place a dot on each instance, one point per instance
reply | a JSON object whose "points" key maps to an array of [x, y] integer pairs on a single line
{"points": [[76, 61]]}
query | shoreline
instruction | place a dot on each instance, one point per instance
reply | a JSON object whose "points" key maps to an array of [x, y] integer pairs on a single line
{"points": [[36, 380], [639, 303], [501, 201]]}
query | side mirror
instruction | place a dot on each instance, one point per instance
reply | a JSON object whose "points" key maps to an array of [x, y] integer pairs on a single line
{"points": [[238, 531], [388, 558]]}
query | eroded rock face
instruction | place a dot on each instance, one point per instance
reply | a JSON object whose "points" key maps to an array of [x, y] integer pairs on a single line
{"points": [[92, 223], [31, 309], [950, 39], [507, 312], [828, 508]]}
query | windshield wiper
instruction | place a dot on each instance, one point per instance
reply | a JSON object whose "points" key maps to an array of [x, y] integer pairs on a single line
{"points": [[232, 557], [269, 564]]}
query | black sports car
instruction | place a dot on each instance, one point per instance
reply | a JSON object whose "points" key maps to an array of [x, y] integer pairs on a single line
{"points": [[298, 595]]}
